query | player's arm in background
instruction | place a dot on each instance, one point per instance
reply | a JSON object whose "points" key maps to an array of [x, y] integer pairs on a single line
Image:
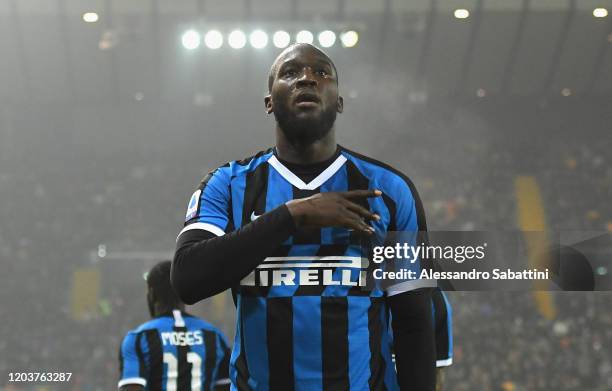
{"points": [[200, 267], [412, 321], [131, 365], [443, 319]]}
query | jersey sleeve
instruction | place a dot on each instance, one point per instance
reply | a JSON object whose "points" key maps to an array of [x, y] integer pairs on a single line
{"points": [[131, 362], [222, 373], [411, 226], [209, 205], [443, 319]]}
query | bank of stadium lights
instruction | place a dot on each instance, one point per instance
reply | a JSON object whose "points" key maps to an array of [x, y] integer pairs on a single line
{"points": [[213, 39], [281, 39], [600, 12], [349, 38], [304, 36], [90, 17], [327, 38], [191, 39], [236, 39], [462, 13], [258, 39]]}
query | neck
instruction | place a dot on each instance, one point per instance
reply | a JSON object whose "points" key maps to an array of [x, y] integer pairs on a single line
{"points": [[161, 309], [301, 153]]}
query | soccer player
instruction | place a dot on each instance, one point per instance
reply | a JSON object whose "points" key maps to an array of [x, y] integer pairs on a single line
{"points": [[174, 350], [283, 230]]}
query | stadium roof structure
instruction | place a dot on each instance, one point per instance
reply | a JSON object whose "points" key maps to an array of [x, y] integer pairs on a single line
{"points": [[133, 49]]}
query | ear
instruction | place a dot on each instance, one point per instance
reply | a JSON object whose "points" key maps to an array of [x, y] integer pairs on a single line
{"points": [[340, 104], [269, 105]]}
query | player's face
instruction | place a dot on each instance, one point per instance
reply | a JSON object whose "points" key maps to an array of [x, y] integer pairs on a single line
{"points": [[304, 95]]}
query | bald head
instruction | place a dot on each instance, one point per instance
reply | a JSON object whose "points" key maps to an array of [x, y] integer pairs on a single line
{"points": [[289, 52]]}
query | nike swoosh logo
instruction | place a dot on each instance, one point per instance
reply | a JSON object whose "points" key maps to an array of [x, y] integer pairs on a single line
{"points": [[254, 216]]}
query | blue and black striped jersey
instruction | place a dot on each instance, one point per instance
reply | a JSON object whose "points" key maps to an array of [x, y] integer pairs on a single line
{"points": [[306, 318], [174, 352]]}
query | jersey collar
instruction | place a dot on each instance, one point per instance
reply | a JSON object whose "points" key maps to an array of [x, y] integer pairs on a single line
{"points": [[316, 182]]}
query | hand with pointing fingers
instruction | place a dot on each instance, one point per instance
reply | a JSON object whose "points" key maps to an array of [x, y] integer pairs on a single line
{"points": [[334, 209]]}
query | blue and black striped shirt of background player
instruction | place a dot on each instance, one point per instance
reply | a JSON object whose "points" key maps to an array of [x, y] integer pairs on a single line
{"points": [[173, 351], [322, 332]]}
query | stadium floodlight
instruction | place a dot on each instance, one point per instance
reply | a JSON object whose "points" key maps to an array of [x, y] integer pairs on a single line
{"points": [[304, 36], [327, 38], [258, 39], [101, 250], [600, 12], [349, 38], [602, 270], [191, 39], [213, 39], [462, 13], [90, 17], [236, 39], [281, 39]]}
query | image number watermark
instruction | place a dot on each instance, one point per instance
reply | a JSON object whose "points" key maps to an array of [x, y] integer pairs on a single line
{"points": [[39, 377]]}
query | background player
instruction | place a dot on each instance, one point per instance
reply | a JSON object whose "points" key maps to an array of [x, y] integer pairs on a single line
{"points": [[302, 209], [175, 350]]}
